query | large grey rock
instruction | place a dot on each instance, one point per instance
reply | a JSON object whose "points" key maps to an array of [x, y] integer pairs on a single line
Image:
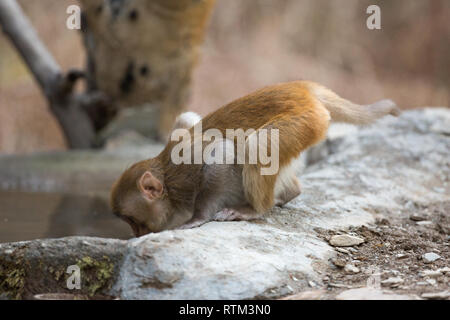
{"points": [[382, 168], [386, 168], [40, 266]]}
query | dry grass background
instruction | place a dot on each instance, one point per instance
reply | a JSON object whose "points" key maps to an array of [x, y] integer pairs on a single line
{"points": [[253, 43]]}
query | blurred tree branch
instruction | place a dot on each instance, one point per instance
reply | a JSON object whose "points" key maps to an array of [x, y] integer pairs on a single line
{"points": [[138, 53], [56, 86], [22, 34]]}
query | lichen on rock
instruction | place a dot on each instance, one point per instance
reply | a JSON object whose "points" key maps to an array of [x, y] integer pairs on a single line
{"points": [[96, 274]]}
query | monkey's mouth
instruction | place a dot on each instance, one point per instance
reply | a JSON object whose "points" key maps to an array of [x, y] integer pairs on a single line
{"points": [[140, 230]]}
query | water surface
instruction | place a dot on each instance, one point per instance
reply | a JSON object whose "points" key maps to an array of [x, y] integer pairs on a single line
{"points": [[34, 215]]}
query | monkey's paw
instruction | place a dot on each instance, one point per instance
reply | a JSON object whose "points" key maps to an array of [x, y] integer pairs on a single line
{"points": [[228, 214]]}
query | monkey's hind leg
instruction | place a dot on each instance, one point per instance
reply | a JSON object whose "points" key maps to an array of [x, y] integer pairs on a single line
{"points": [[301, 128], [237, 214], [288, 192]]}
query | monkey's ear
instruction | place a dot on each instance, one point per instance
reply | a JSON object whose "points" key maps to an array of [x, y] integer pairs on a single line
{"points": [[150, 186]]}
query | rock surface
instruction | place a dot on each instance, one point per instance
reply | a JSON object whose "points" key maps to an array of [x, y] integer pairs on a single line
{"points": [[381, 169], [372, 294], [436, 295]]}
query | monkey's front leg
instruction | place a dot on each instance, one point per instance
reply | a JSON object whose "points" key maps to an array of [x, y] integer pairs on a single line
{"points": [[227, 214], [237, 214], [199, 218], [194, 223]]}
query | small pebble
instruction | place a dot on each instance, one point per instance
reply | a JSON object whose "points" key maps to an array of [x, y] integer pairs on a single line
{"points": [[341, 250], [339, 262], [431, 281], [345, 240], [350, 268], [430, 257], [431, 273], [424, 223], [393, 281], [444, 270], [417, 217]]}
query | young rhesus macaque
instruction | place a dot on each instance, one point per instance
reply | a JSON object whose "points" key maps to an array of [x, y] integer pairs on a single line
{"points": [[157, 194]]}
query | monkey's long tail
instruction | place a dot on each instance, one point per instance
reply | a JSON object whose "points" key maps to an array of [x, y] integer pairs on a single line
{"points": [[342, 110]]}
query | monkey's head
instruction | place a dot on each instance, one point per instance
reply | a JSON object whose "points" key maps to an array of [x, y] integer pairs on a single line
{"points": [[140, 199]]}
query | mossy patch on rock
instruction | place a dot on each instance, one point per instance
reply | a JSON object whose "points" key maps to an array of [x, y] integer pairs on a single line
{"points": [[95, 274], [41, 266], [57, 274], [12, 279]]}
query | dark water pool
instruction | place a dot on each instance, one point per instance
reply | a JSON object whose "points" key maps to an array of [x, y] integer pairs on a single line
{"points": [[27, 216]]}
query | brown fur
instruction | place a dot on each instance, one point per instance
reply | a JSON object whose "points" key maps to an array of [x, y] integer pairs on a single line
{"points": [[300, 110]]}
